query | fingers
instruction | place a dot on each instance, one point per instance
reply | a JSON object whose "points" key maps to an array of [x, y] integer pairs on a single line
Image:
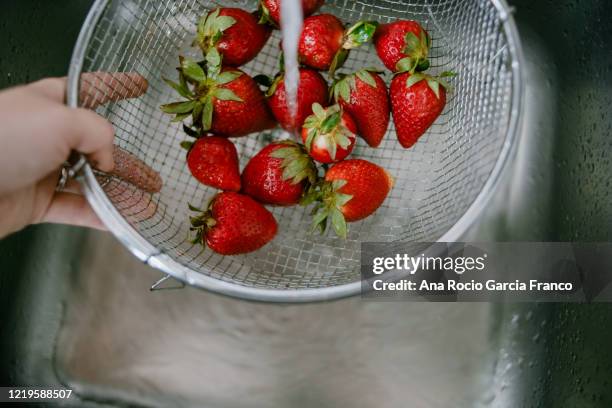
{"points": [[72, 209], [52, 88], [96, 88], [90, 134]]}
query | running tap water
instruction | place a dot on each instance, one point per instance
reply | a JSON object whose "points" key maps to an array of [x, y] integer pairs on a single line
{"points": [[292, 20]]}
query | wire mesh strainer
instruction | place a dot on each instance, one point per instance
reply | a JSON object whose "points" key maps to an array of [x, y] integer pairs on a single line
{"points": [[442, 183]]}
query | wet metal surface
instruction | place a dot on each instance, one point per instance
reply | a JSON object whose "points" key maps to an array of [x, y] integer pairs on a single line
{"points": [[77, 310], [194, 347]]}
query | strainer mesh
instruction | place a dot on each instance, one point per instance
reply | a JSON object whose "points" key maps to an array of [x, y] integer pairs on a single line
{"points": [[436, 180]]}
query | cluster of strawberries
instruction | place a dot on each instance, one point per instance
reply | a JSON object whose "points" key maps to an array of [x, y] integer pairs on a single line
{"points": [[222, 101]]}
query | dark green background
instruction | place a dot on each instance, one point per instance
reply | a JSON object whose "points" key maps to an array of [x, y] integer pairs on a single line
{"points": [[575, 367]]}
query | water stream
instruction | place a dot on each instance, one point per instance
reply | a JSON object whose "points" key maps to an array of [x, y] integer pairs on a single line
{"points": [[291, 26]]}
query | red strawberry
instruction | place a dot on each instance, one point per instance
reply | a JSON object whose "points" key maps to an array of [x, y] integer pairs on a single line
{"points": [[324, 44], [213, 161], [312, 89], [233, 224], [270, 10], [226, 102], [364, 96], [416, 100], [403, 46], [247, 114], [320, 41], [234, 33], [329, 134], [352, 190], [279, 174]]}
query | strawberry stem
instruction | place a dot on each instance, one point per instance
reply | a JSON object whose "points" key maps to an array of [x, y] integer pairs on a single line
{"points": [[354, 37], [359, 34]]}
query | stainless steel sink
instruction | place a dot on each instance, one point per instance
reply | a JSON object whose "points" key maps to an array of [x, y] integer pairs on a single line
{"points": [[77, 310]]}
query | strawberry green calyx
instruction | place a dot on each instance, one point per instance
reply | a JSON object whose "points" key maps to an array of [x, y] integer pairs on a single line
{"points": [[210, 30], [329, 206], [433, 82], [297, 165], [417, 49], [343, 87], [359, 34], [274, 85], [327, 123], [264, 16], [191, 132], [270, 83], [200, 87], [187, 145], [354, 37], [201, 223]]}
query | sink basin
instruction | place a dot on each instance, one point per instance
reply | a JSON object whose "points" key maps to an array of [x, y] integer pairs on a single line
{"points": [[77, 310]]}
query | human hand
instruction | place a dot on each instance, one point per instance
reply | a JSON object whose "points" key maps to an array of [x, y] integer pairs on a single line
{"points": [[38, 133]]}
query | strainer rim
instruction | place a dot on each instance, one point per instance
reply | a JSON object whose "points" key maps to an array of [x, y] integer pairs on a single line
{"points": [[150, 255]]}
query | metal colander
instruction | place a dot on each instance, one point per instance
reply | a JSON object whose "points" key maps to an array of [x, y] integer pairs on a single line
{"points": [[442, 183]]}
